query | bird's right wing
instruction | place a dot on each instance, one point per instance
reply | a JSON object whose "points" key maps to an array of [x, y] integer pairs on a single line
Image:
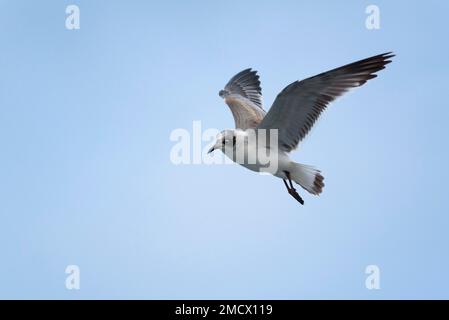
{"points": [[243, 95], [299, 105]]}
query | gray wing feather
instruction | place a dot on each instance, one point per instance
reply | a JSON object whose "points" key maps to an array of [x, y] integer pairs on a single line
{"points": [[247, 84], [299, 105], [243, 95]]}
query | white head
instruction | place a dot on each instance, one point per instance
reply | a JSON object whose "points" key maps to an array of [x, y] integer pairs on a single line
{"points": [[226, 138]]}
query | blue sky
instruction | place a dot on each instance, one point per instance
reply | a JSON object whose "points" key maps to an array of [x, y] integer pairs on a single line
{"points": [[85, 120]]}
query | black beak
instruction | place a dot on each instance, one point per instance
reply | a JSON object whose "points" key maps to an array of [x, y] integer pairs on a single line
{"points": [[210, 150]]}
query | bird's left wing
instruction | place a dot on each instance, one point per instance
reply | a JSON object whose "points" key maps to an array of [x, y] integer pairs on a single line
{"points": [[299, 105], [243, 95]]}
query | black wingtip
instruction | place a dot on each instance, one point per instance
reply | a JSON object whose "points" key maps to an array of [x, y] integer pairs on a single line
{"points": [[387, 56]]}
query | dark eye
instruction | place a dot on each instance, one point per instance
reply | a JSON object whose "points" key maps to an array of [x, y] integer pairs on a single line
{"points": [[224, 141]]}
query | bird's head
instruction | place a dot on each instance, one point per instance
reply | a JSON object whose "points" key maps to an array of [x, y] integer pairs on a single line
{"points": [[226, 138], [223, 93]]}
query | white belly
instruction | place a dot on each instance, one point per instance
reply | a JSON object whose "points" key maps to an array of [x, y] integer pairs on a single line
{"points": [[260, 159]]}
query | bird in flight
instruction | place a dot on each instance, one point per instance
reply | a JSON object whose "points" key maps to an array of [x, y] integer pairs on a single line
{"points": [[292, 115]]}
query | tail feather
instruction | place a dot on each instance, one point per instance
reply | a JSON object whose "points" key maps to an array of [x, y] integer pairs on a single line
{"points": [[307, 177]]}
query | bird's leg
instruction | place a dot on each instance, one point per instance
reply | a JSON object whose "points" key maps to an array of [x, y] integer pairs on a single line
{"points": [[289, 180], [286, 185], [291, 190]]}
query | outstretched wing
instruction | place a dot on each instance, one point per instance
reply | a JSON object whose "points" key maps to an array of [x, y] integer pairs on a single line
{"points": [[243, 95], [299, 105]]}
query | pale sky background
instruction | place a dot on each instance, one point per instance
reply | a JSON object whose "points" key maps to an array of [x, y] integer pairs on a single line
{"points": [[86, 177]]}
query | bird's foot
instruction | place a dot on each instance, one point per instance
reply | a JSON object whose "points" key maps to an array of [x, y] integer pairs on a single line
{"points": [[295, 195]]}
